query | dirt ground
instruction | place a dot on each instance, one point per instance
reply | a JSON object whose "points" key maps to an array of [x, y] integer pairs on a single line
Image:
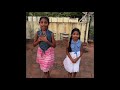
{"points": [[58, 71]]}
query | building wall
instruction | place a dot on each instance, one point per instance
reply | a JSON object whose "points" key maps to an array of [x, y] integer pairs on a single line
{"points": [[57, 25]]}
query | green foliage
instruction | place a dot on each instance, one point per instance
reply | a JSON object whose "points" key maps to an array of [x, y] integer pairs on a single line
{"points": [[56, 14], [91, 33]]}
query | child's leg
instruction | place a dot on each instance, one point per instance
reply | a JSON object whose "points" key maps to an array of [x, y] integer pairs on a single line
{"points": [[74, 74], [48, 74], [45, 74], [69, 75]]}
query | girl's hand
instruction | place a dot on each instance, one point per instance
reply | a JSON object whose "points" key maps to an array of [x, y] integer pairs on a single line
{"points": [[73, 61], [76, 59], [43, 38], [39, 39]]}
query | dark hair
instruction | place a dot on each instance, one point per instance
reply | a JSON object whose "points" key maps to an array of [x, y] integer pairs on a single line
{"points": [[75, 29], [44, 18]]}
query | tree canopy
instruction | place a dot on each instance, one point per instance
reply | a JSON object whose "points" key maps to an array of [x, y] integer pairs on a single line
{"points": [[56, 14]]}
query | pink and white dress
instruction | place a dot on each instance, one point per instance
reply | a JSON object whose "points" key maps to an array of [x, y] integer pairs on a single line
{"points": [[46, 60]]}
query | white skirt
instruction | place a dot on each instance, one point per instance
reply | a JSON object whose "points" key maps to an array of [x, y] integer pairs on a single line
{"points": [[69, 66]]}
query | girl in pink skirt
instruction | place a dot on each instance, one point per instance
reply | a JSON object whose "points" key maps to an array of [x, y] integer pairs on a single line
{"points": [[45, 53]]}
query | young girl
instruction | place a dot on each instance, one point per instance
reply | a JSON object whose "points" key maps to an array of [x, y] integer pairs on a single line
{"points": [[46, 41], [74, 52]]}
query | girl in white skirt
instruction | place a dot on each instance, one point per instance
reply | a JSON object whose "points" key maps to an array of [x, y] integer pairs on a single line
{"points": [[74, 52]]}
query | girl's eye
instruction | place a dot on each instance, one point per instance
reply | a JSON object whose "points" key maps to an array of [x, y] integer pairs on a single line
{"points": [[45, 22], [41, 22]]}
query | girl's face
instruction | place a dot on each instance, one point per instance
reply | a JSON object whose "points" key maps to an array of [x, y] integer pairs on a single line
{"points": [[75, 35], [44, 24]]}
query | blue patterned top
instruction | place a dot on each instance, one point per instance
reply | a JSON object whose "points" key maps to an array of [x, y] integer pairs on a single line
{"points": [[43, 45], [75, 46]]}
